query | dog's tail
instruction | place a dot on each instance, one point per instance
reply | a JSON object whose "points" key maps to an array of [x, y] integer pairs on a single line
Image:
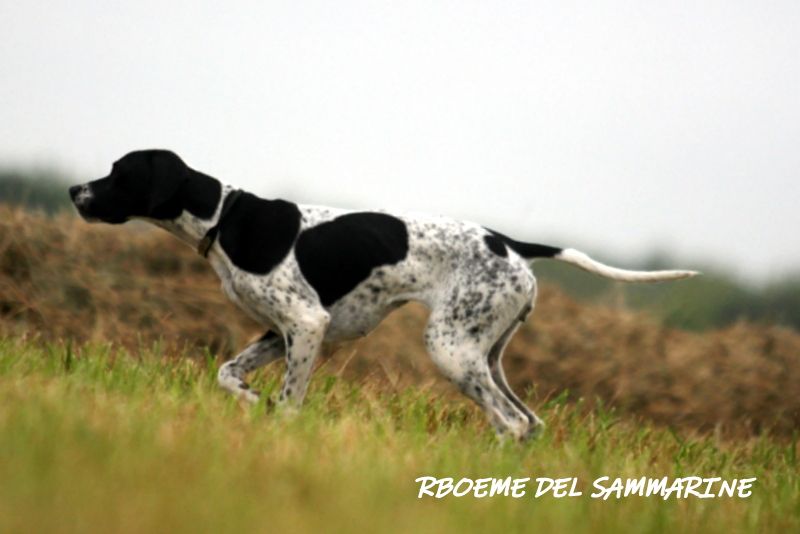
{"points": [[579, 259], [533, 251]]}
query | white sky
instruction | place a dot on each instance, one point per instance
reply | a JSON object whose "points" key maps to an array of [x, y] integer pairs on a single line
{"points": [[618, 127]]}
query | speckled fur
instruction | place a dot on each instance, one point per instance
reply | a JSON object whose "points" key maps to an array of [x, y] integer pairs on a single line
{"points": [[476, 298]]}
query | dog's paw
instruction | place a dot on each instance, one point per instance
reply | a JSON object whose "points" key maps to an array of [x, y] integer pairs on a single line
{"points": [[534, 431], [286, 409], [250, 396]]}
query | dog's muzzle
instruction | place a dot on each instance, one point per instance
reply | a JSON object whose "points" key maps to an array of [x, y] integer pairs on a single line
{"points": [[80, 195]]}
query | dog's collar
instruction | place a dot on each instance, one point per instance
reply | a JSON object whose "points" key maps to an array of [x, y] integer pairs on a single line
{"points": [[208, 240]]}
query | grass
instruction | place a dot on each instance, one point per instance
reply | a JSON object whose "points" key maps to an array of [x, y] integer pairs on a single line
{"points": [[100, 439]]}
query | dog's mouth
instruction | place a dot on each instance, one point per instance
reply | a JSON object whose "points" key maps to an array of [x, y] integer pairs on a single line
{"points": [[86, 217]]}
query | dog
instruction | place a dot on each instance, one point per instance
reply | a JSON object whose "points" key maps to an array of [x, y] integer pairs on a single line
{"points": [[315, 275]]}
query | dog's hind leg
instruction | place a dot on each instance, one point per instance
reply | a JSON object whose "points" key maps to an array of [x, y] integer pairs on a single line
{"points": [[231, 374], [463, 360], [499, 377]]}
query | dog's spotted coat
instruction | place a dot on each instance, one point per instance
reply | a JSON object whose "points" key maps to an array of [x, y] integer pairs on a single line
{"points": [[317, 275]]}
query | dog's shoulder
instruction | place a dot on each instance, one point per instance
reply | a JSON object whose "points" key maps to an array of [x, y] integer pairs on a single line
{"points": [[260, 233]]}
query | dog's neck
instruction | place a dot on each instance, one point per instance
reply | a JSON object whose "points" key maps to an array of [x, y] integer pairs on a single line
{"points": [[190, 228]]}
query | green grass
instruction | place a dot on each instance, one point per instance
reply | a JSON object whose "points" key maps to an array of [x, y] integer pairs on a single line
{"points": [[99, 440]]}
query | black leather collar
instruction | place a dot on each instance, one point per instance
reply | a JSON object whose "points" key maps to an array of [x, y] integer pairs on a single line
{"points": [[206, 243]]}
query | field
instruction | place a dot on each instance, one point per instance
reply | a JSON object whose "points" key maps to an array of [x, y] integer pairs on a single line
{"points": [[110, 418], [106, 441]]}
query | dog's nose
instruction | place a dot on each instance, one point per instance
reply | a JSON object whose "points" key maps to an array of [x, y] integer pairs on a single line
{"points": [[73, 191]]}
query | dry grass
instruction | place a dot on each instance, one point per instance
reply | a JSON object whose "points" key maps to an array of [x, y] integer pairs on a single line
{"points": [[63, 279]]}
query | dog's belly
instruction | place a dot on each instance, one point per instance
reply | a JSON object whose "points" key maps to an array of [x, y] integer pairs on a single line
{"points": [[352, 323], [386, 289]]}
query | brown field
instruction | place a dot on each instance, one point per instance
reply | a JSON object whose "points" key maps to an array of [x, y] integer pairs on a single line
{"points": [[62, 279]]}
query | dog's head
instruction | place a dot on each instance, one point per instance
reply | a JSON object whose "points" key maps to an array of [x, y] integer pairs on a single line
{"points": [[144, 183]]}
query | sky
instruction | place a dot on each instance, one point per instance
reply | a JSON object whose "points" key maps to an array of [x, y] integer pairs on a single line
{"points": [[620, 128]]}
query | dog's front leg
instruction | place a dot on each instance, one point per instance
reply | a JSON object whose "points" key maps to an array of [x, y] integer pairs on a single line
{"points": [[303, 342], [231, 374]]}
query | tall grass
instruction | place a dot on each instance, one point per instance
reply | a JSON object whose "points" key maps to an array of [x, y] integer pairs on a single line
{"points": [[107, 440]]}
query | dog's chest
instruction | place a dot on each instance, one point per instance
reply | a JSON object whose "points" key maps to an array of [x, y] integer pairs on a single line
{"points": [[243, 294], [225, 274], [272, 298]]}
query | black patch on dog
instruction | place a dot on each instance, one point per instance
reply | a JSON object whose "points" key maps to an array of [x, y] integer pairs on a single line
{"points": [[336, 256], [496, 245], [258, 233], [526, 250]]}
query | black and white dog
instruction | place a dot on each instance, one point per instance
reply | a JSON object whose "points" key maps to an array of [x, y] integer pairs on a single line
{"points": [[315, 275]]}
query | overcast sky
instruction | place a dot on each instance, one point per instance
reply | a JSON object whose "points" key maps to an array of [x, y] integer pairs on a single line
{"points": [[617, 127]]}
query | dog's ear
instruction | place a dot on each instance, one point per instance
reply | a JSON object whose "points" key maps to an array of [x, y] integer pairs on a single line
{"points": [[168, 173]]}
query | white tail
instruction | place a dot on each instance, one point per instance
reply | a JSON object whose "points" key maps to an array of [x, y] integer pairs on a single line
{"points": [[579, 259]]}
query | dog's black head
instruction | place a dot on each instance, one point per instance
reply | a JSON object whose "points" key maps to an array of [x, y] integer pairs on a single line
{"points": [[155, 184]]}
